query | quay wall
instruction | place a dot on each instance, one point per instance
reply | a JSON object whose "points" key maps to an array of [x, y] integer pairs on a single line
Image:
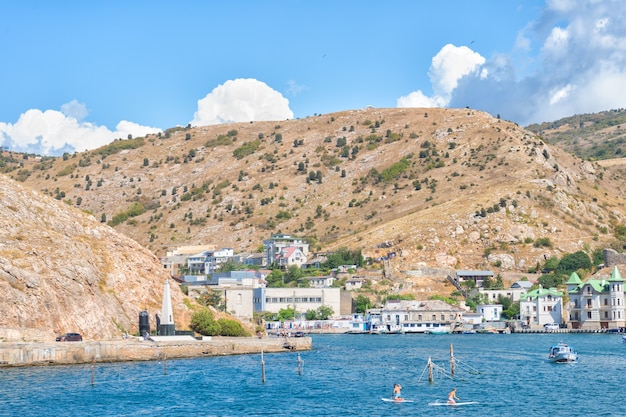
{"points": [[66, 353]]}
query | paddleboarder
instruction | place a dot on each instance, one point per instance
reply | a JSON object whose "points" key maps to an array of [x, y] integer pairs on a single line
{"points": [[452, 397]]}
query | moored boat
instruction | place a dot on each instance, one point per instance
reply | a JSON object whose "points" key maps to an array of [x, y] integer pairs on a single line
{"points": [[562, 353]]}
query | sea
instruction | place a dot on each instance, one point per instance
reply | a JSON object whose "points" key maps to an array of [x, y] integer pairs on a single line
{"points": [[343, 375]]}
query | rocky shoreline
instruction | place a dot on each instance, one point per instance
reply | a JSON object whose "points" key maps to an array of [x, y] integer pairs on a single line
{"points": [[14, 354]]}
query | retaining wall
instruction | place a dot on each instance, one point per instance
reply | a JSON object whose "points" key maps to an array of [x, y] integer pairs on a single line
{"points": [[64, 353]]}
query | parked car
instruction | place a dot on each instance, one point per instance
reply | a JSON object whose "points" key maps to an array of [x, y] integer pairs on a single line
{"points": [[551, 326], [70, 337]]}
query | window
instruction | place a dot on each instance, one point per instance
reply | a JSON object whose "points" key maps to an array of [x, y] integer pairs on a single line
{"points": [[419, 317], [549, 308], [588, 314]]}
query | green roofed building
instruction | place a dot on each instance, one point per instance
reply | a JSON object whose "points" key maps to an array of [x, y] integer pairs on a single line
{"points": [[597, 303], [541, 306]]}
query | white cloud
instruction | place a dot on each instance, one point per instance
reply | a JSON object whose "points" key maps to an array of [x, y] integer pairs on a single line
{"points": [[241, 100], [75, 109], [52, 132], [449, 65], [295, 89], [574, 57]]}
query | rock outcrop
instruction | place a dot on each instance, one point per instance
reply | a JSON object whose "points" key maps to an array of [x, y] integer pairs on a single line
{"points": [[63, 271]]}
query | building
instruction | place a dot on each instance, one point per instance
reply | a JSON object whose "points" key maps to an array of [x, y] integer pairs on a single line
{"points": [[541, 306], [273, 300], [320, 282], [597, 303], [412, 316], [355, 283], [288, 256], [514, 292], [477, 276], [207, 262], [278, 242], [490, 312], [177, 258]]}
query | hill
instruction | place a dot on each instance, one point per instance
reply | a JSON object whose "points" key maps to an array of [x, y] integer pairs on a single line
{"points": [[63, 271], [449, 188], [596, 136]]}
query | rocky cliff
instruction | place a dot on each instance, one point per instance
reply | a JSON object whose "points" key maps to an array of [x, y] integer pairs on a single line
{"points": [[63, 271]]}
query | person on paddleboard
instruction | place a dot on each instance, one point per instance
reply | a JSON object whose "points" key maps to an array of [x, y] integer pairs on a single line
{"points": [[397, 390], [452, 398]]}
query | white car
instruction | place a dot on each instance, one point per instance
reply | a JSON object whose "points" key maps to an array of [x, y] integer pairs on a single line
{"points": [[551, 326]]}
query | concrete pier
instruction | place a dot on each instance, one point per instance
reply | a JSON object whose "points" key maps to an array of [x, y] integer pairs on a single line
{"points": [[66, 353]]}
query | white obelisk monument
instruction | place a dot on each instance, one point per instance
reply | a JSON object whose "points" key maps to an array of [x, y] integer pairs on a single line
{"points": [[166, 327]]}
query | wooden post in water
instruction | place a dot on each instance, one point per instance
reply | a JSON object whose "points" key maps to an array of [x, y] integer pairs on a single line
{"points": [[451, 360], [93, 372], [262, 368], [430, 370], [164, 364], [299, 365]]}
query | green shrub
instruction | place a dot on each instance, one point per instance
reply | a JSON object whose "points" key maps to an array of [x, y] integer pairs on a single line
{"points": [[203, 322], [232, 328]]}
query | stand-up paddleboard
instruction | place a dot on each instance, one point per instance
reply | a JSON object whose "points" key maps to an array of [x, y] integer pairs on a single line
{"points": [[391, 400], [454, 404]]}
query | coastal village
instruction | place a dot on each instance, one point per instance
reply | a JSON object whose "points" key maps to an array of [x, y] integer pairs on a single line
{"points": [[595, 304]]}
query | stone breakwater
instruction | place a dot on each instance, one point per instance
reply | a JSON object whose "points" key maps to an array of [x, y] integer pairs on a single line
{"points": [[66, 353]]}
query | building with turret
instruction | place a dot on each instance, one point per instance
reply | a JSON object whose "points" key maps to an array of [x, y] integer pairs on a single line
{"points": [[597, 303]]}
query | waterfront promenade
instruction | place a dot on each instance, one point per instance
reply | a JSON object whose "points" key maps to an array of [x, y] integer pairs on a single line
{"points": [[135, 349]]}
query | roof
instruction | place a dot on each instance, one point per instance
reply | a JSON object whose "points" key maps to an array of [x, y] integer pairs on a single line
{"points": [[598, 284], [413, 305], [574, 279], [464, 272], [541, 292], [615, 275], [522, 284]]}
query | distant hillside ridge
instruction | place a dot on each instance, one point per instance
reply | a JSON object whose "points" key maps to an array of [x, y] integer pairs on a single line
{"points": [[595, 136], [446, 188]]}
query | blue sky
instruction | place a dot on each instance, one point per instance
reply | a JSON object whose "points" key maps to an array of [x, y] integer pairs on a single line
{"points": [[77, 75]]}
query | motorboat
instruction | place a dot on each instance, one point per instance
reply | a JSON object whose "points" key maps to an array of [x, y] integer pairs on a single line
{"points": [[562, 353]]}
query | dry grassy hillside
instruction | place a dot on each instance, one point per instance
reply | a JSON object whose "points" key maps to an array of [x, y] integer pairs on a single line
{"points": [[63, 271], [440, 187]]}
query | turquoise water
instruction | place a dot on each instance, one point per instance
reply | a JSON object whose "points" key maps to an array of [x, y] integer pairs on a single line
{"points": [[345, 375]]}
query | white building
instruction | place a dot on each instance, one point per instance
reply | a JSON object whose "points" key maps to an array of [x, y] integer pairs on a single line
{"points": [[412, 316], [597, 303], [273, 300], [541, 306], [490, 312], [278, 242]]}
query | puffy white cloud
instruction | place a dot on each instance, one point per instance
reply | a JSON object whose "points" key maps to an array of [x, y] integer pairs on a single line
{"points": [[241, 100], [575, 62], [449, 65], [52, 132]]}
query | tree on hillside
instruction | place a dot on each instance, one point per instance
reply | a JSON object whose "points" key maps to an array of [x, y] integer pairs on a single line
{"points": [[275, 279], [550, 280], [343, 256], [573, 262], [362, 303], [551, 264]]}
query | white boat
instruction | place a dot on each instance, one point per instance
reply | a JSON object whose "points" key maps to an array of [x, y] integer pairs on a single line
{"points": [[562, 353]]}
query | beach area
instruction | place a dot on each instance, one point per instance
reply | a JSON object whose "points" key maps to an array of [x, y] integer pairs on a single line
{"points": [[15, 354]]}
